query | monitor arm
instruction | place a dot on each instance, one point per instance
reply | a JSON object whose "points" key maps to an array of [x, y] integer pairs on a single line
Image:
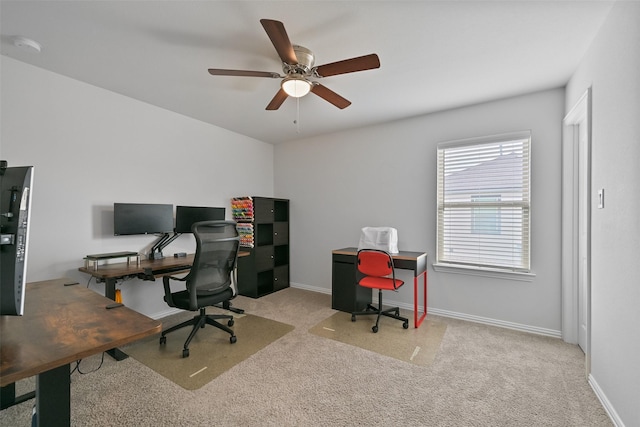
{"points": [[163, 242]]}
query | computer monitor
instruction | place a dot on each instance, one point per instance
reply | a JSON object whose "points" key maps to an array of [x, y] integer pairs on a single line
{"points": [[142, 218], [187, 215], [15, 207]]}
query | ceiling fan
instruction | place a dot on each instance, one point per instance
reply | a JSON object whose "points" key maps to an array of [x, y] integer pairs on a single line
{"points": [[299, 70]]}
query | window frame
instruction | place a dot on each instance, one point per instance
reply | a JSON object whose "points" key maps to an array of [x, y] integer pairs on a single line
{"points": [[519, 272]]}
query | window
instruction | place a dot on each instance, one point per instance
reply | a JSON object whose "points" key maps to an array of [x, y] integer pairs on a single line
{"points": [[485, 219], [483, 202]]}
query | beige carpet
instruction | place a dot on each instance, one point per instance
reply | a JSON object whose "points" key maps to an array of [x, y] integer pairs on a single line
{"points": [[210, 352], [418, 346], [482, 376]]}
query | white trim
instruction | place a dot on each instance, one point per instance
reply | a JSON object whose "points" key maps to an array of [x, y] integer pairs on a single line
{"points": [[608, 407], [484, 272], [495, 322], [580, 113], [454, 315], [502, 137], [165, 313], [310, 288], [580, 110]]}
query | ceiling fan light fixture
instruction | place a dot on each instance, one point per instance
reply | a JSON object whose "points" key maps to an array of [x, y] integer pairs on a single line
{"points": [[296, 86]]}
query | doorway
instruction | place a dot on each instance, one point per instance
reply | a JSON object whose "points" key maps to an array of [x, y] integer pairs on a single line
{"points": [[576, 226]]}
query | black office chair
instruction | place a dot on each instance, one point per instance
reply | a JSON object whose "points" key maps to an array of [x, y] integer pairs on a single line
{"points": [[211, 280], [375, 270]]}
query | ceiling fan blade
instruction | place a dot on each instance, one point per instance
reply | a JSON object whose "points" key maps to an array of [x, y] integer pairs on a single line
{"points": [[277, 100], [330, 96], [243, 73], [352, 65], [278, 35]]}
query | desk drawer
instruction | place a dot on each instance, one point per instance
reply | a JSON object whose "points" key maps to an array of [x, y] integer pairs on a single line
{"points": [[349, 259]]}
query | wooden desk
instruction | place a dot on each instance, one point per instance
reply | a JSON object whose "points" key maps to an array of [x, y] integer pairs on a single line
{"points": [[348, 296], [61, 324], [111, 273]]}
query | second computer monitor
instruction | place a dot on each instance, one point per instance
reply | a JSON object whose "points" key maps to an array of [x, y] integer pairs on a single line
{"points": [[187, 215]]}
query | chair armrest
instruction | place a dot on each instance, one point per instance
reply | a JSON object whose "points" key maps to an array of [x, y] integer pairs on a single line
{"points": [[168, 296]]}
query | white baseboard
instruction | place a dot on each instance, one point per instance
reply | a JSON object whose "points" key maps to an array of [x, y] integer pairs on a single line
{"points": [[165, 313], [455, 315], [310, 288], [495, 322], [615, 418]]}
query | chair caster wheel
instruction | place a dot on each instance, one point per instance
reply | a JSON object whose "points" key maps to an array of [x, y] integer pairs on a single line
{"points": [[375, 329], [233, 339], [230, 322], [353, 317], [185, 352], [405, 325], [163, 340]]}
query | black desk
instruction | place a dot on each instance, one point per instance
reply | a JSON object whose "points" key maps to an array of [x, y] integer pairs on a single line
{"points": [[61, 324], [347, 296]]}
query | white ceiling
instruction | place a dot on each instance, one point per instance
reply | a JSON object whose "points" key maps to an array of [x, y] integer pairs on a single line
{"points": [[434, 55]]}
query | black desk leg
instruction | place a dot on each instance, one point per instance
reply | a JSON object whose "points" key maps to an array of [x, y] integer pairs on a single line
{"points": [[53, 397], [110, 292], [117, 354], [110, 288], [8, 396]]}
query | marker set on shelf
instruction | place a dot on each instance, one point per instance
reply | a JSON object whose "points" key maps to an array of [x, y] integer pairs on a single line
{"points": [[242, 211]]}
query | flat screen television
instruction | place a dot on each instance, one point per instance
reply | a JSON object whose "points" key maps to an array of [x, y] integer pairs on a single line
{"points": [[142, 218], [15, 206], [187, 215]]}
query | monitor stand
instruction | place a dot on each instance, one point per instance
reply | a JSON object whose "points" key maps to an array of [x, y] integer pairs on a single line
{"points": [[163, 242]]}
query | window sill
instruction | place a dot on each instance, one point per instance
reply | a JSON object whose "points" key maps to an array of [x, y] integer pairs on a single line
{"points": [[484, 272]]}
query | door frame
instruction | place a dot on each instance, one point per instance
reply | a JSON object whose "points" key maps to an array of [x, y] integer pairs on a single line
{"points": [[579, 115]]}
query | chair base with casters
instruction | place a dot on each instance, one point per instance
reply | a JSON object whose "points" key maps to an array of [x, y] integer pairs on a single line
{"points": [[197, 322], [210, 280], [393, 312]]}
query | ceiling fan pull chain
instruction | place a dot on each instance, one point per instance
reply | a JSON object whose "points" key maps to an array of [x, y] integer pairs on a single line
{"points": [[297, 120]]}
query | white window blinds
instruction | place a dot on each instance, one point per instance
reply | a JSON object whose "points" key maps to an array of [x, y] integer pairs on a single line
{"points": [[483, 202]]}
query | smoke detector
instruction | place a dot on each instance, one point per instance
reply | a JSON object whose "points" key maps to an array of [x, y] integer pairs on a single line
{"points": [[26, 44]]}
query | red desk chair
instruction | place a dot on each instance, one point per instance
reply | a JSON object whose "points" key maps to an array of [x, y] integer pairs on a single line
{"points": [[373, 270]]}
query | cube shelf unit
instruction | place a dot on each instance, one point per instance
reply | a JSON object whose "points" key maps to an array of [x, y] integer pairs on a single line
{"points": [[263, 224]]}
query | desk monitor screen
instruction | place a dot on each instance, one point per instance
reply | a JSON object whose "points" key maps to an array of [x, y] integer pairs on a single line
{"points": [[187, 215], [142, 218], [15, 202]]}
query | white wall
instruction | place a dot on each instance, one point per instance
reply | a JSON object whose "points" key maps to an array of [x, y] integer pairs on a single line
{"points": [[612, 68], [386, 176], [91, 148]]}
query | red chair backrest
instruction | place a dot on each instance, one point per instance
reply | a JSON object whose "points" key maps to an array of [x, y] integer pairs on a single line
{"points": [[373, 262]]}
